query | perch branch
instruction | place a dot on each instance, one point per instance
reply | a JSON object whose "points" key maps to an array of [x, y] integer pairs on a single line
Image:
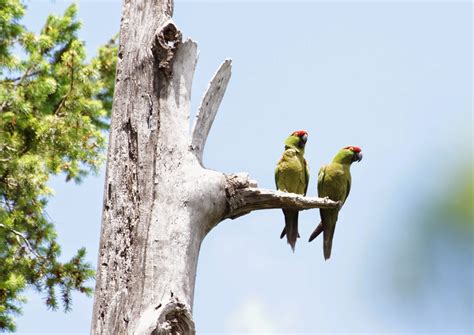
{"points": [[209, 106], [243, 196]]}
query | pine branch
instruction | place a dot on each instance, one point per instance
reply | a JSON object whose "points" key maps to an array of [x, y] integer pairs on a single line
{"points": [[25, 75], [19, 236], [71, 88]]}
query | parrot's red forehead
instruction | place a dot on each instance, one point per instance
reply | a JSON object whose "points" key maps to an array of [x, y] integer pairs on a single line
{"points": [[300, 133], [353, 148]]}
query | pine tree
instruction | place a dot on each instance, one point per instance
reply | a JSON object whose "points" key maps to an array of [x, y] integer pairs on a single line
{"points": [[54, 113]]}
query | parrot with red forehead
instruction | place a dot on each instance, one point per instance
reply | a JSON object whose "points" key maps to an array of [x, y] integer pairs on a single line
{"points": [[334, 182], [292, 175]]}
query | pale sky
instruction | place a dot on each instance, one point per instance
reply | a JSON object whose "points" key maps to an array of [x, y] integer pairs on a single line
{"points": [[393, 78]]}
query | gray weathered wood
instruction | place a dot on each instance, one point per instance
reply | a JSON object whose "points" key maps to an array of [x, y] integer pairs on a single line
{"points": [[159, 202], [243, 196]]}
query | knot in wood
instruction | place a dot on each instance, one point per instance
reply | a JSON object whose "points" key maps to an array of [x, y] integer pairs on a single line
{"points": [[166, 42], [234, 183], [175, 319]]}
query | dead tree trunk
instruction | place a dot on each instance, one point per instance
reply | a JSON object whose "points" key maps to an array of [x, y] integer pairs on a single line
{"points": [[159, 201]]}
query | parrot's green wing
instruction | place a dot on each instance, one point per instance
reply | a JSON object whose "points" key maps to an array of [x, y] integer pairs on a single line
{"points": [[306, 176], [321, 175], [348, 189]]}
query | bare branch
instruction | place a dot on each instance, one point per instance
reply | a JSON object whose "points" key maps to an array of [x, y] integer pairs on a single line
{"points": [[19, 81], [243, 197], [19, 236], [26, 75], [209, 106]]}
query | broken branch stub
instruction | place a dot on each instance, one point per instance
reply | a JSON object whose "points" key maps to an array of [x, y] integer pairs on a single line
{"points": [[209, 106]]}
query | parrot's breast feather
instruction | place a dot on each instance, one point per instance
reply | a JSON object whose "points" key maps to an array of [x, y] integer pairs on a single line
{"points": [[290, 173]]}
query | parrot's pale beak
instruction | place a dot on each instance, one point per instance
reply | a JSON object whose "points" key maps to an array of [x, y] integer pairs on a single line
{"points": [[357, 157]]}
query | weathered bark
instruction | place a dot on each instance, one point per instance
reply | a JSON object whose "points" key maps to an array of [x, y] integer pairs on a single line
{"points": [[159, 201], [243, 196]]}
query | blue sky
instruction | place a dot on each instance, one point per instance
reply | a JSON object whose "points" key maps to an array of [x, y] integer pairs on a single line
{"points": [[394, 78]]}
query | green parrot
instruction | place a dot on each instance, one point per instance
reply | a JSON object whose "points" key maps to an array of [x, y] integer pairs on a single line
{"points": [[292, 175], [334, 182]]}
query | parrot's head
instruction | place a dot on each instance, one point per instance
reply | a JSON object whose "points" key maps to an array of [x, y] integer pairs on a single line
{"points": [[297, 139], [349, 155]]}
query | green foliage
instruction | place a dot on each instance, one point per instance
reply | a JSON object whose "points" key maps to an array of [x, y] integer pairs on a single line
{"points": [[54, 109], [442, 228], [460, 202]]}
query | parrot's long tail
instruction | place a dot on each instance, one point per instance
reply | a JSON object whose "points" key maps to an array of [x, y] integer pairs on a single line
{"points": [[316, 232], [327, 246], [291, 227], [327, 237]]}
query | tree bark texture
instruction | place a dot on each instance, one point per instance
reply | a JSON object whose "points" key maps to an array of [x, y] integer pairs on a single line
{"points": [[159, 201]]}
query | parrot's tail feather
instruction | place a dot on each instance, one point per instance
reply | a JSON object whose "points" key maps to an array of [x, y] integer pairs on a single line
{"points": [[283, 233], [316, 232], [327, 250], [291, 227], [327, 246]]}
